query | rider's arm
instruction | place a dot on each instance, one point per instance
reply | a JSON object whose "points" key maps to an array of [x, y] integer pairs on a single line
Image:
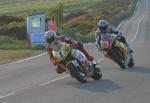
{"points": [[115, 31], [97, 38], [119, 34], [66, 39]]}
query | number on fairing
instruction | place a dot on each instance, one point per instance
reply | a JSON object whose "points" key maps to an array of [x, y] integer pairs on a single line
{"points": [[75, 62], [61, 54]]}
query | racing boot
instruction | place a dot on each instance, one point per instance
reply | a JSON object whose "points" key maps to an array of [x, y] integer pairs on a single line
{"points": [[129, 48]]}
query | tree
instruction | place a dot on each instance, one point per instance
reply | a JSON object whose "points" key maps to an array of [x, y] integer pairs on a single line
{"points": [[57, 12]]}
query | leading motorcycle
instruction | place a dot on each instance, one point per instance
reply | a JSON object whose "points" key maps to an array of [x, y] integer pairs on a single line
{"points": [[116, 51], [72, 66]]}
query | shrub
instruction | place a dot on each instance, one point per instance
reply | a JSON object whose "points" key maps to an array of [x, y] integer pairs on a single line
{"points": [[5, 19], [14, 29], [114, 13], [57, 12], [5, 39]]}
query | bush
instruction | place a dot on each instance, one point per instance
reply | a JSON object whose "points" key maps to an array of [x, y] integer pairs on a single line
{"points": [[82, 38], [57, 12], [5, 39], [113, 13], [14, 29], [5, 19]]}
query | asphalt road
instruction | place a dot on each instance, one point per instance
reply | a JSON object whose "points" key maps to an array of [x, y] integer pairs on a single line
{"points": [[35, 80]]}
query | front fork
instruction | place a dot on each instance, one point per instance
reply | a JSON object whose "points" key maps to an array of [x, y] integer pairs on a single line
{"points": [[92, 67]]}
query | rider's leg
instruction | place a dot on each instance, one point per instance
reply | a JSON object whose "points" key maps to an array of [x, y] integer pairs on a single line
{"points": [[129, 48], [123, 40], [80, 57]]}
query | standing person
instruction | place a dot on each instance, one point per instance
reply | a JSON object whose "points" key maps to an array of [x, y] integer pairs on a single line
{"points": [[53, 24]]}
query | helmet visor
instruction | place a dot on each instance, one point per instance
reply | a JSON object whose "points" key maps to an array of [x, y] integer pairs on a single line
{"points": [[104, 28], [50, 40]]}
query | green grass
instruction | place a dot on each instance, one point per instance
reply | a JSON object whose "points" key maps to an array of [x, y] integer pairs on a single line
{"points": [[12, 50], [7, 43], [23, 7]]}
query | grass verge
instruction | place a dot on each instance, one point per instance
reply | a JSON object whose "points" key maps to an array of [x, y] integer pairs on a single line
{"points": [[7, 56], [12, 50]]}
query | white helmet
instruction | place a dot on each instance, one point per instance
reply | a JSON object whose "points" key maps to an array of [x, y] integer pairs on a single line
{"points": [[50, 36]]}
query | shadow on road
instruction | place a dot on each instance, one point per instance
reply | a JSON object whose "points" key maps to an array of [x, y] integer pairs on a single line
{"points": [[99, 86], [139, 69]]}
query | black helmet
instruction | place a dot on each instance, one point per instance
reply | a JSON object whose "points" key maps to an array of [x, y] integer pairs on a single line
{"points": [[50, 36], [103, 24]]}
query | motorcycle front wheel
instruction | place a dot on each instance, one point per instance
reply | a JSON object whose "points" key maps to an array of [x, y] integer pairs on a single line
{"points": [[77, 72], [131, 63], [97, 74]]}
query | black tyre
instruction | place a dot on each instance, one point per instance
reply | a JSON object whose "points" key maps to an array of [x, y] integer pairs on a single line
{"points": [[97, 74], [131, 63], [77, 72], [118, 58]]}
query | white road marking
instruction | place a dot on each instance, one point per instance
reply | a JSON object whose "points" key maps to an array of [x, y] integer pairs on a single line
{"points": [[120, 24], [101, 59], [7, 95], [19, 61], [54, 80], [137, 5], [135, 36]]}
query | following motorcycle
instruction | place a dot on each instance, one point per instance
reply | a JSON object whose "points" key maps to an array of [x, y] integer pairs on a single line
{"points": [[116, 51]]}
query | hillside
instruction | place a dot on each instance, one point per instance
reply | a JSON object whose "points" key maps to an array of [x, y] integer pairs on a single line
{"points": [[79, 21], [114, 11], [23, 7], [80, 17]]}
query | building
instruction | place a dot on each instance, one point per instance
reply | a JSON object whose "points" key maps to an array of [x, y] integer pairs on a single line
{"points": [[36, 28]]}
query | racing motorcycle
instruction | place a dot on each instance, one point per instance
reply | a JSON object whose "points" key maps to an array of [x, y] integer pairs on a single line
{"points": [[73, 67], [116, 51]]}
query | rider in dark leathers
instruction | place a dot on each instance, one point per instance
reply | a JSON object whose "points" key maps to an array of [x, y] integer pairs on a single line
{"points": [[104, 30]]}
